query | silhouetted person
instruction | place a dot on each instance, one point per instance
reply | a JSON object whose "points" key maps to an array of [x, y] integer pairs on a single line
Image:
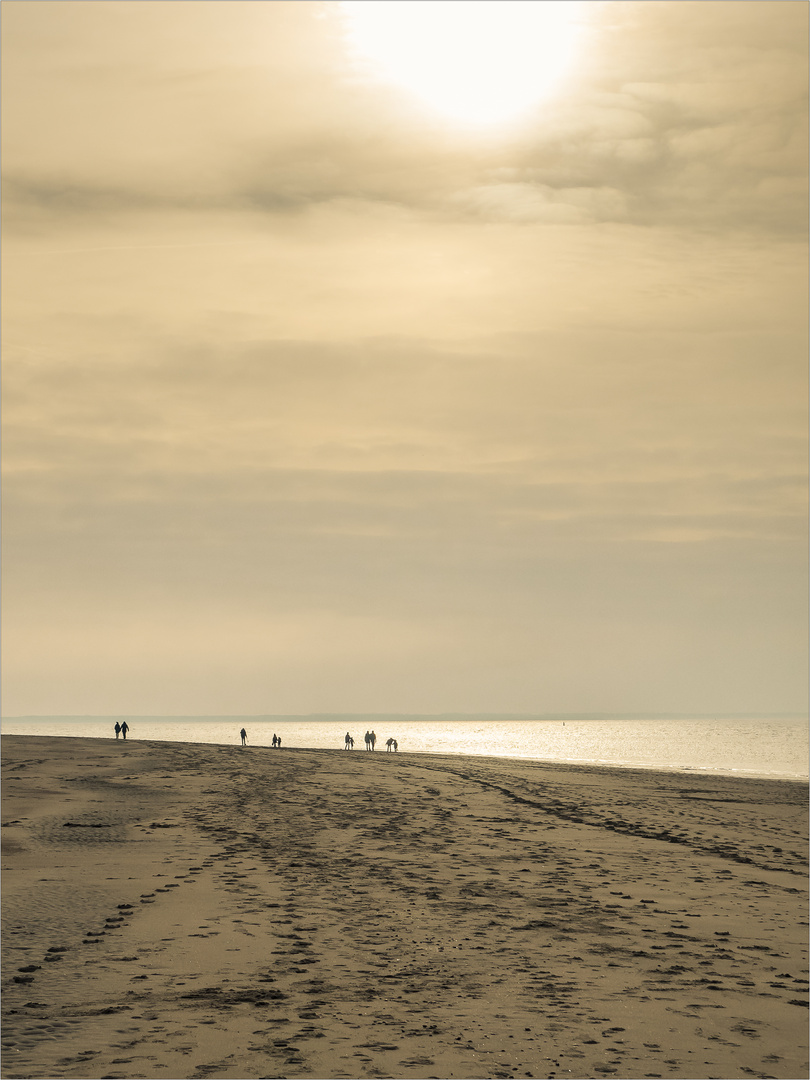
{"points": [[243, 735], [275, 740], [117, 729], [278, 740], [389, 743], [347, 741], [367, 737], [372, 739], [124, 730], [351, 744], [396, 746]]}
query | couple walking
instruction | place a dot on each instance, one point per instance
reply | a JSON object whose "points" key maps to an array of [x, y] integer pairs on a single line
{"points": [[371, 739]]}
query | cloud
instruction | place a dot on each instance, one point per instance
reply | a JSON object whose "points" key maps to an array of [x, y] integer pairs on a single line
{"points": [[678, 117], [567, 436], [292, 368], [524, 202]]}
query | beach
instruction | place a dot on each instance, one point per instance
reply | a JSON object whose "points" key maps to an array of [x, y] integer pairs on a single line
{"points": [[188, 910]]}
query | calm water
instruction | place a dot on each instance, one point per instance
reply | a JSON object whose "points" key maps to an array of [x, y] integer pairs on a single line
{"points": [[757, 746]]}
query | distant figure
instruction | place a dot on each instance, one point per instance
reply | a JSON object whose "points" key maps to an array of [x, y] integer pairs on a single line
{"points": [[275, 740], [351, 743], [278, 740], [396, 746], [124, 730], [367, 737], [347, 741], [243, 734], [372, 739], [389, 743], [117, 729]]}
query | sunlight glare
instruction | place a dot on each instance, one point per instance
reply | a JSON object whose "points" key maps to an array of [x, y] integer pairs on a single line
{"points": [[478, 62]]}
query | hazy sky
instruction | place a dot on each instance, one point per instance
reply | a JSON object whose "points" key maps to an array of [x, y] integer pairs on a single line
{"points": [[316, 399]]}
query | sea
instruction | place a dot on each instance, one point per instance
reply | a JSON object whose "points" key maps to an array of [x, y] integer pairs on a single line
{"points": [[764, 746]]}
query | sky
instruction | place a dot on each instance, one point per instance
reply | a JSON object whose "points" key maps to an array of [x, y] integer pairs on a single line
{"points": [[318, 398]]}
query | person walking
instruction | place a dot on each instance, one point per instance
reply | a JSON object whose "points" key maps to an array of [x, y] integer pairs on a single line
{"points": [[243, 735], [117, 729], [124, 730]]}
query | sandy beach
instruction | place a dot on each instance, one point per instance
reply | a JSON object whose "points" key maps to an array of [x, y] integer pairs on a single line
{"points": [[187, 910]]}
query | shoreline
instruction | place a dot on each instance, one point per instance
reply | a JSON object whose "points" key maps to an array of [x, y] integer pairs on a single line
{"points": [[620, 767], [208, 910]]}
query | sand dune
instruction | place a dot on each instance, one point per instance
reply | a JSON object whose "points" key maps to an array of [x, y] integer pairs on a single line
{"points": [[178, 910]]}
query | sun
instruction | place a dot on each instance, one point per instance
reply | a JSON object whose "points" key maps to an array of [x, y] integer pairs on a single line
{"points": [[478, 62]]}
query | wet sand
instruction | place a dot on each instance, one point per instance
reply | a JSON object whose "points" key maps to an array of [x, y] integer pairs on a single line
{"points": [[178, 910]]}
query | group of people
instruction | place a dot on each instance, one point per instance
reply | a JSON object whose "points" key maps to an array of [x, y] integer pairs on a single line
{"points": [[276, 739], [370, 739]]}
